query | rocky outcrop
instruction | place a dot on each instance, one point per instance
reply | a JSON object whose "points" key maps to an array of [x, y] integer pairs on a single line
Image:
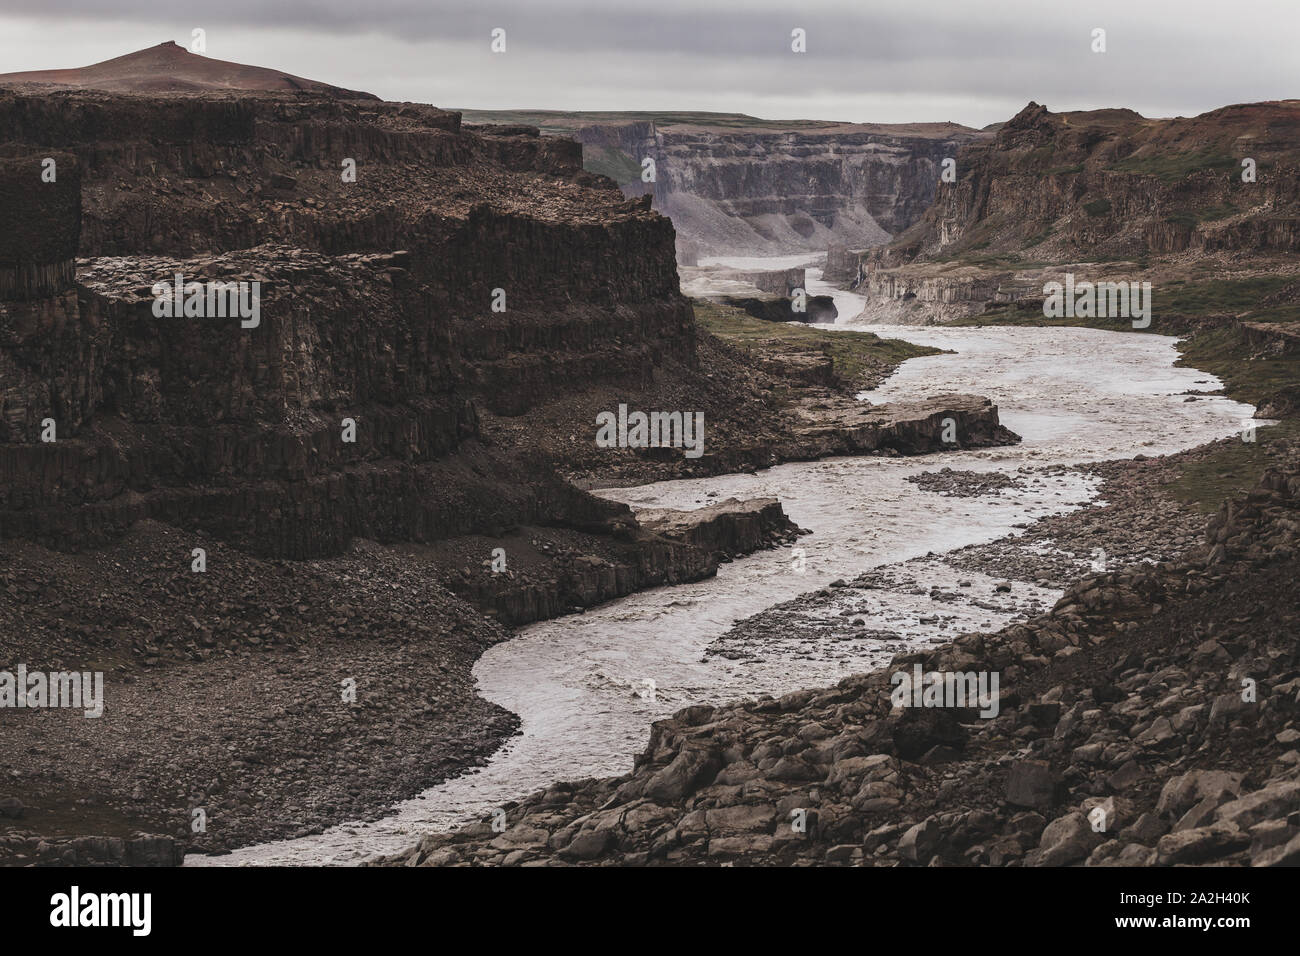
{"points": [[547, 572], [774, 295], [575, 575], [1272, 338], [1123, 736], [725, 529], [921, 295], [782, 282], [771, 308], [825, 428], [942, 422], [842, 266]]}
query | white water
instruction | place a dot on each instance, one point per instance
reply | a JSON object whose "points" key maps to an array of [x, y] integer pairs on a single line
{"points": [[1074, 395]]}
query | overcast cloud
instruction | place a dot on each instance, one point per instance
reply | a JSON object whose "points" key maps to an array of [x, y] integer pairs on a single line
{"points": [[969, 61]]}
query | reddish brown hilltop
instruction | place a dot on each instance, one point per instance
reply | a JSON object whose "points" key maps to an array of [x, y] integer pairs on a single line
{"points": [[169, 68]]}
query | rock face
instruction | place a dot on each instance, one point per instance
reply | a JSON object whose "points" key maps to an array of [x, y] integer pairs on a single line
{"points": [[1125, 737], [735, 185], [924, 294], [768, 295], [824, 429], [727, 528], [553, 572], [1111, 183], [1098, 193], [376, 308]]}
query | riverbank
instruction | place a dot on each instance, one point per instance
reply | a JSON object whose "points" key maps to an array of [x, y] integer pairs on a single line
{"points": [[769, 393], [282, 637], [237, 705], [1150, 718], [274, 698]]}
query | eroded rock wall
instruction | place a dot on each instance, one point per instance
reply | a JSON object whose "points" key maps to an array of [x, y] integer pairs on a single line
{"points": [[458, 271], [1112, 183], [763, 189]]}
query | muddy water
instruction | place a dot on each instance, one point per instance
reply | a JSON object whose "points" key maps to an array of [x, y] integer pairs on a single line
{"points": [[587, 687]]}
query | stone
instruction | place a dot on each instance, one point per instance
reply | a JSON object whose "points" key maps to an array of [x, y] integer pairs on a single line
{"points": [[920, 841], [1200, 844], [1288, 854], [1032, 784], [738, 819], [1067, 839], [1180, 793], [793, 770], [691, 769], [1146, 829], [588, 845], [1270, 802]]}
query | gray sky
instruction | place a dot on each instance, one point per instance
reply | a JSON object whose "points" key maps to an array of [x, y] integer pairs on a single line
{"points": [[969, 61]]}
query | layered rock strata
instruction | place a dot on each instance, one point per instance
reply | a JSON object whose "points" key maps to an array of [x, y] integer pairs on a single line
{"points": [[458, 271]]}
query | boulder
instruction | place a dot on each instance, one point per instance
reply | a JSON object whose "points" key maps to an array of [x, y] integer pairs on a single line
{"points": [[1200, 844], [1032, 784], [1068, 839]]}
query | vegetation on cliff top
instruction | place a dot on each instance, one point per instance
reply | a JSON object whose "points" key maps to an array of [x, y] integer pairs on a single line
{"points": [[1233, 467], [1253, 298], [1171, 167], [855, 356]]}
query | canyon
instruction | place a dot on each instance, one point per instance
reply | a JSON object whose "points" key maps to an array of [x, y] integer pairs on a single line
{"points": [[326, 489], [737, 185], [1111, 196], [394, 481]]}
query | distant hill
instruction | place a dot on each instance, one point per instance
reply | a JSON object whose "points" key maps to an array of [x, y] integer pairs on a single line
{"points": [[169, 68]]}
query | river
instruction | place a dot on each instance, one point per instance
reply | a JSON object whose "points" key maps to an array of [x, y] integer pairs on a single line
{"points": [[582, 684]]}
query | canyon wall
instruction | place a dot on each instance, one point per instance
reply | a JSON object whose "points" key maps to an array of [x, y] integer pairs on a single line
{"points": [[1108, 194], [456, 271], [1111, 183], [736, 185]]}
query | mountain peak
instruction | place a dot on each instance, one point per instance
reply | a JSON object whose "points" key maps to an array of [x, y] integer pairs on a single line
{"points": [[171, 68]]}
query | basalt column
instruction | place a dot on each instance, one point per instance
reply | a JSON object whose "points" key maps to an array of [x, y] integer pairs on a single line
{"points": [[51, 360]]}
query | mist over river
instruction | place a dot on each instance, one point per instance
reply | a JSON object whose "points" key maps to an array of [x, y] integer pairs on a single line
{"points": [[581, 684]]}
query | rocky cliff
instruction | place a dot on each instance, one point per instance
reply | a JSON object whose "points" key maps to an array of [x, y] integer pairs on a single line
{"points": [[455, 271], [1112, 183], [1108, 195], [736, 185]]}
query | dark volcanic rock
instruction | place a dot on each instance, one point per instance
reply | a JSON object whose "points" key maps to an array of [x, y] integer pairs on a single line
{"points": [[1134, 740]]}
